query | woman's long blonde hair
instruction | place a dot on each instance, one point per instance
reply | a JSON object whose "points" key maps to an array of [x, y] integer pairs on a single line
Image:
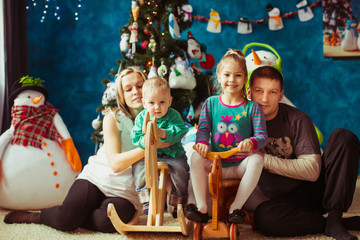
{"points": [[120, 100]]}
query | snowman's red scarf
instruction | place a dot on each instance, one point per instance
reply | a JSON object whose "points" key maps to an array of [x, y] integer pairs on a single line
{"points": [[32, 124]]}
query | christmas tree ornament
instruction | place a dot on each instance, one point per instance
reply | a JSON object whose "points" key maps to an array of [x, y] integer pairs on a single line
{"points": [[124, 42], [145, 44], [162, 70], [174, 28], [275, 20], [214, 24], [152, 43], [207, 61], [109, 94], [350, 36], [96, 123], [134, 36], [187, 9], [193, 48], [135, 10], [305, 13], [244, 26], [191, 114], [181, 75], [152, 72]]}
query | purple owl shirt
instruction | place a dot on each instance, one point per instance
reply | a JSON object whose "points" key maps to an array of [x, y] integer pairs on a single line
{"points": [[222, 126]]}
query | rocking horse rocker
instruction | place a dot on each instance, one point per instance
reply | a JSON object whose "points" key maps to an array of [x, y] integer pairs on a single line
{"points": [[222, 192], [157, 177]]}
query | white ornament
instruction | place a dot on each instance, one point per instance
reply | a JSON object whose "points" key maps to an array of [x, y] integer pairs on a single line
{"points": [[193, 48], [181, 76], [124, 42], [275, 20], [214, 24], [350, 36], [187, 10], [96, 123], [305, 13], [244, 26], [109, 94]]}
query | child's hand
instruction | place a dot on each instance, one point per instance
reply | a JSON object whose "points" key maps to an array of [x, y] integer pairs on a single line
{"points": [[245, 145], [202, 149], [161, 133]]}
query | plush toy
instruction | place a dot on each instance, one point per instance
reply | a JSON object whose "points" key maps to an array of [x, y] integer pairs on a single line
{"points": [[275, 20], [181, 75], [349, 38], [265, 58], [214, 24], [39, 161]]}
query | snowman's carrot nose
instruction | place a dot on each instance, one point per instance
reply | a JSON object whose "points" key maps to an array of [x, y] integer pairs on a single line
{"points": [[257, 60], [37, 99]]}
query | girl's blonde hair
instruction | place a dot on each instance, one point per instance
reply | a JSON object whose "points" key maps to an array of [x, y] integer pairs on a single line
{"points": [[235, 56], [120, 100]]}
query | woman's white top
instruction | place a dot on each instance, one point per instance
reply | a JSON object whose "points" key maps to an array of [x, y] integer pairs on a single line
{"points": [[98, 170]]}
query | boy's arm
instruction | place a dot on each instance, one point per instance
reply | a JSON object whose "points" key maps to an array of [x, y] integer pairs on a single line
{"points": [[175, 129], [138, 139]]}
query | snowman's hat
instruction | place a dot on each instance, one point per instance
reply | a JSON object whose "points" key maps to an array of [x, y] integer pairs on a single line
{"points": [[26, 83], [190, 36], [269, 7]]}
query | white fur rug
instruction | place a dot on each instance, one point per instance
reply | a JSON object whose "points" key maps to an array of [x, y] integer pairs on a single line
{"points": [[42, 232]]}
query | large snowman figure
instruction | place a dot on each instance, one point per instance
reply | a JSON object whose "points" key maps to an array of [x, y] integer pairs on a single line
{"points": [[38, 159]]}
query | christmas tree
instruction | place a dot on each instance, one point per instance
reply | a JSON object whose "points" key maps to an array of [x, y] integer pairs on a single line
{"points": [[151, 41]]}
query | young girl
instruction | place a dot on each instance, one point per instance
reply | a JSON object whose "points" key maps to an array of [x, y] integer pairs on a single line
{"points": [[228, 120], [107, 177]]}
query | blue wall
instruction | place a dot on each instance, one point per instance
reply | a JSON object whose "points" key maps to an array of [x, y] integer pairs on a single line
{"points": [[74, 56]]}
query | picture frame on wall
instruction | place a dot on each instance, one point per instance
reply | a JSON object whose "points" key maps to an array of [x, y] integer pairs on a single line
{"points": [[341, 28]]}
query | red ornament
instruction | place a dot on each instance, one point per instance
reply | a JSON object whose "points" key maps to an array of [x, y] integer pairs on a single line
{"points": [[146, 31], [209, 62], [144, 44]]}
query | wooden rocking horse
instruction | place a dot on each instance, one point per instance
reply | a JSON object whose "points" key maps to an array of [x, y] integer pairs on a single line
{"points": [[157, 177], [222, 193]]}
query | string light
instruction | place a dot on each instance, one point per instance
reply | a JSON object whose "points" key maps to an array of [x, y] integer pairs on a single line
{"points": [[52, 8]]}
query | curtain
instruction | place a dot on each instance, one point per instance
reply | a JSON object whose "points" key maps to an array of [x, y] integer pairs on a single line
{"points": [[16, 50]]}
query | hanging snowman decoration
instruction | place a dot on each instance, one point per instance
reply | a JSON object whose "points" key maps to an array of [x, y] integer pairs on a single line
{"points": [[275, 20], [124, 42], [193, 47], [181, 75], [244, 26], [187, 9], [350, 37], [305, 13], [38, 156], [152, 72], [214, 24], [206, 60]]}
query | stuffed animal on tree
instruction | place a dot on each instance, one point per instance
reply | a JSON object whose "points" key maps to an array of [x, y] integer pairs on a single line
{"points": [[39, 161]]}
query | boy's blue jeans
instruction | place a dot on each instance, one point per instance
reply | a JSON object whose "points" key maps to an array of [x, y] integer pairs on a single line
{"points": [[179, 173]]}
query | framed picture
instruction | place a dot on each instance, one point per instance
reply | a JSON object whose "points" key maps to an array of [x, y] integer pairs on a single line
{"points": [[341, 28]]}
